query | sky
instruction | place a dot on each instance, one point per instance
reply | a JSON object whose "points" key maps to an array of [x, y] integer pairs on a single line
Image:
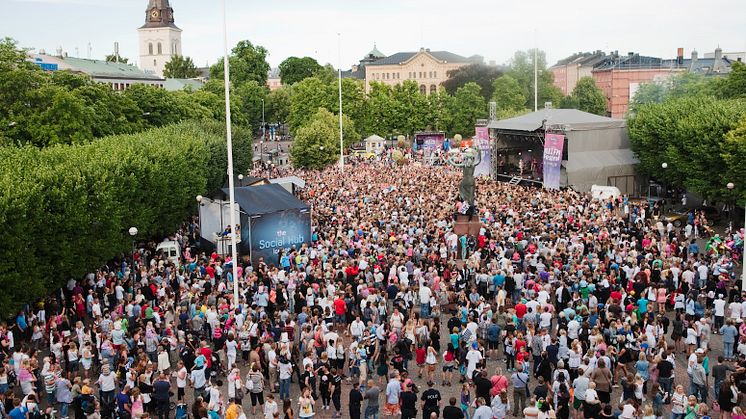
{"points": [[494, 29]]}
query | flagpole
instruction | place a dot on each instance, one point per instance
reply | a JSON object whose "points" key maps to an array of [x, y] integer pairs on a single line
{"points": [[339, 72], [229, 140]]}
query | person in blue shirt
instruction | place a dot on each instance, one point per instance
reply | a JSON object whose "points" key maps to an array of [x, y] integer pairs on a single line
{"points": [[642, 305], [693, 248]]}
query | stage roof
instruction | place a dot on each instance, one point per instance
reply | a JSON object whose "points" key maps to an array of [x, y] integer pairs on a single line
{"points": [[570, 119], [265, 199]]}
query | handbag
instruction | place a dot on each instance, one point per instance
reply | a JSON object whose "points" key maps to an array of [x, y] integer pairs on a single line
{"points": [[249, 383]]}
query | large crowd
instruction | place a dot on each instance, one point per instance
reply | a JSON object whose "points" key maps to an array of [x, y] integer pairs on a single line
{"points": [[561, 306]]}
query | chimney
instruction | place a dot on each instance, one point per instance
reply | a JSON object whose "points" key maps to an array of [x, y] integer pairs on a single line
{"points": [[680, 56], [116, 49], [718, 54], [694, 58], [422, 49]]}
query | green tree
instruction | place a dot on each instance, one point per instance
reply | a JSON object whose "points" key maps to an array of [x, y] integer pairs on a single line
{"points": [[252, 94], [247, 62], [295, 69], [316, 144], [379, 111], [688, 134], [678, 86], [734, 154], [734, 85], [587, 97], [478, 73], [410, 112], [508, 94], [468, 105], [306, 98], [159, 107], [277, 107], [180, 67], [327, 74], [441, 104], [521, 68]]}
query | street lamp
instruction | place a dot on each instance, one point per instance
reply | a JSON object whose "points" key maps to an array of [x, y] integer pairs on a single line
{"points": [[664, 165], [133, 233], [261, 143], [731, 207], [264, 131]]}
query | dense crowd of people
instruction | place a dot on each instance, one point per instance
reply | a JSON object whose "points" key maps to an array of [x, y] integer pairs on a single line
{"points": [[557, 304]]}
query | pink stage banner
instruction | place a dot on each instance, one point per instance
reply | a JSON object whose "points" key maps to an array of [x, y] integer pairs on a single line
{"points": [[482, 142], [553, 145]]}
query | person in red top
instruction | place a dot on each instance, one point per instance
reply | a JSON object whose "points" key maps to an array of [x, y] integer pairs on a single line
{"points": [[520, 310], [419, 357], [340, 309], [207, 353]]}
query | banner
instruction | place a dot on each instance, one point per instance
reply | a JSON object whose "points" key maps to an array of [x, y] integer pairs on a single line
{"points": [[553, 145], [482, 141], [271, 233], [430, 141]]}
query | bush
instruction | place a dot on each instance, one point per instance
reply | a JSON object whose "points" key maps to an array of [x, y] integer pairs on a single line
{"points": [[66, 209]]}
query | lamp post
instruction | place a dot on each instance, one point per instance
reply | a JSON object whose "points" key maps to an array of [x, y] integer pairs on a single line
{"points": [[133, 233], [261, 144], [264, 130], [731, 206], [664, 166], [339, 69]]}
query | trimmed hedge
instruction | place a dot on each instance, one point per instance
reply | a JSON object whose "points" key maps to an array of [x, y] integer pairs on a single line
{"points": [[65, 210]]}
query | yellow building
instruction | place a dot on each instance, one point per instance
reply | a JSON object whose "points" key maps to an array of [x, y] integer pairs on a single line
{"points": [[428, 68]]}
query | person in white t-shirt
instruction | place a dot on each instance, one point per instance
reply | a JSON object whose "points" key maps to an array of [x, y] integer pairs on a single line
{"points": [[473, 357], [719, 308]]}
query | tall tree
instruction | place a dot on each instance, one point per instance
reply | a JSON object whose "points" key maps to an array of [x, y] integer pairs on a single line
{"points": [[687, 134], [180, 67], [587, 97], [481, 74], [307, 97], [316, 144], [295, 69], [735, 84], [467, 106], [247, 62], [507, 94], [411, 112], [278, 105], [521, 68]]}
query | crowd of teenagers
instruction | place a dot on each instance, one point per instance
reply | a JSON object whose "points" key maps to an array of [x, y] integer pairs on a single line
{"points": [[561, 306]]}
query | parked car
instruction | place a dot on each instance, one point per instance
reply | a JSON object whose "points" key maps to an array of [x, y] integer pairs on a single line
{"points": [[679, 217]]}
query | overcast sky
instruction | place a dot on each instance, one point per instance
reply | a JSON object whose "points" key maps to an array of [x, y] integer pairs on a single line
{"points": [[491, 28]]}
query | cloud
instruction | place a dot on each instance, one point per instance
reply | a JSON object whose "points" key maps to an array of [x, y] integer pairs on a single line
{"points": [[98, 3]]}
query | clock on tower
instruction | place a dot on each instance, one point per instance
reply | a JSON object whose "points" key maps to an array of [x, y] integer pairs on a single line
{"points": [[155, 15]]}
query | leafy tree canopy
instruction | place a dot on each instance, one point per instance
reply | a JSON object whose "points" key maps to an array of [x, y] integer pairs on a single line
{"points": [[180, 67], [295, 69]]}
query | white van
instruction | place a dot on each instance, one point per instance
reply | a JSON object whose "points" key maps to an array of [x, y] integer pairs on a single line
{"points": [[171, 251], [603, 193]]}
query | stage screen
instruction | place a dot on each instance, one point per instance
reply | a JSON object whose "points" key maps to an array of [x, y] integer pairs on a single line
{"points": [[270, 233], [430, 140]]}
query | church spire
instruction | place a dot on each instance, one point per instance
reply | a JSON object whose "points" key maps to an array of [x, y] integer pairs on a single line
{"points": [[159, 14]]}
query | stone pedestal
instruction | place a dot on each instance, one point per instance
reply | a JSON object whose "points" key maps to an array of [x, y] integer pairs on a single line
{"points": [[462, 225]]}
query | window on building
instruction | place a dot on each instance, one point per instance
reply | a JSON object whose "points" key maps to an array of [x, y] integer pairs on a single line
{"points": [[433, 89], [430, 74], [423, 89], [150, 48], [160, 49], [155, 64], [435, 74]]}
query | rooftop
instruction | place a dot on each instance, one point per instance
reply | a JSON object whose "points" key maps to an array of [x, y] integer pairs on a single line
{"points": [[95, 68], [401, 57]]}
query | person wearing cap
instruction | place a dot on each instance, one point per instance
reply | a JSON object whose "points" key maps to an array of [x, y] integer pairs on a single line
{"points": [[430, 401]]}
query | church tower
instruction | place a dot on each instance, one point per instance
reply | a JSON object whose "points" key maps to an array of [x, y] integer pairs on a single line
{"points": [[160, 38]]}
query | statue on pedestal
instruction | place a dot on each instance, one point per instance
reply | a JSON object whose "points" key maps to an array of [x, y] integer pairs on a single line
{"points": [[467, 159]]}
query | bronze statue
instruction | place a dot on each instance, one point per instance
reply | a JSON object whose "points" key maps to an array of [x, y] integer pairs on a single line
{"points": [[470, 158]]}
